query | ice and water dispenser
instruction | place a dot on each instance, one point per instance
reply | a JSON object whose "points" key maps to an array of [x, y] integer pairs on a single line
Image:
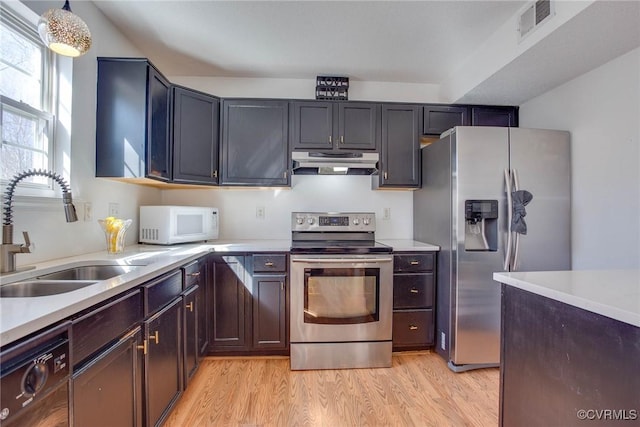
{"points": [[481, 225]]}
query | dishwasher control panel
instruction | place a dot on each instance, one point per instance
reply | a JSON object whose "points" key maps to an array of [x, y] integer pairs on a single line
{"points": [[31, 370]]}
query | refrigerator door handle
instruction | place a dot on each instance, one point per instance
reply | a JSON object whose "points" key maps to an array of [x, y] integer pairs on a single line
{"points": [[516, 236], [507, 184]]}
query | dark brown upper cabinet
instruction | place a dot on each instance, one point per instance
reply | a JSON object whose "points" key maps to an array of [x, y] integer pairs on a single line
{"points": [[196, 117], [255, 143], [494, 116], [439, 118], [400, 157], [132, 120], [329, 126]]}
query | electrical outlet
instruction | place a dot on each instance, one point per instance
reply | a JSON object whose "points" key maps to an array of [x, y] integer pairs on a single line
{"points": [[386, 214], [260, 212], [88, 211], [114, 209]]}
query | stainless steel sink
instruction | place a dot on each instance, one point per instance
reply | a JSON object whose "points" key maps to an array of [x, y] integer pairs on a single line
{"points": [[89, 272], [40, 288], [66, 279]]}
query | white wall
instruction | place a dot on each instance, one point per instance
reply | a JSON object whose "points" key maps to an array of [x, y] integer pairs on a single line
{"points": [[601, 109], [53, 237], [305, 89], [308, 193]]}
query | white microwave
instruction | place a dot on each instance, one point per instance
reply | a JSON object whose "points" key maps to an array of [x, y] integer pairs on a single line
{"points": [[168, 225]]}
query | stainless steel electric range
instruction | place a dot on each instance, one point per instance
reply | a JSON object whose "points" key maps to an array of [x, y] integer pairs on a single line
{"points": [[341, 292]]}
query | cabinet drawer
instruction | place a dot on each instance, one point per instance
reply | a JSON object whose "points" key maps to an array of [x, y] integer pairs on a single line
{"points": [[191, 274], [414, 262], [96, 329], [413, 290], [269, 262], [160, 292], [413, 328]]}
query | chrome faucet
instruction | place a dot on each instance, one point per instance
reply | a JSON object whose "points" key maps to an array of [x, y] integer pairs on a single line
{"points": [[8, 249]]}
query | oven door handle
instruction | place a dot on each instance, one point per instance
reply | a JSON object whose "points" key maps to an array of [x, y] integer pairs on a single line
{"points": [[340, 260]]}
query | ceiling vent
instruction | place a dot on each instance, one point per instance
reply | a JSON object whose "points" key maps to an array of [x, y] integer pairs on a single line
{"points": [[534, 15]]}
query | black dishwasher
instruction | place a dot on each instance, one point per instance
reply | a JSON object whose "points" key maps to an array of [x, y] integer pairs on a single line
{"points": [[34, 380]]}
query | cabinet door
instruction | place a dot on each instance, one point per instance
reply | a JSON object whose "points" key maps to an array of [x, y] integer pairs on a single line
{"points": [[107, 391], [121, 114], [158, 141], [494, 116], [230, 303], [269, 311], [311, 125], [206, 283], [358, 126], [163, 363], [255, 147], [439, 118], [400, 165], [195, 137], [190, 306]]}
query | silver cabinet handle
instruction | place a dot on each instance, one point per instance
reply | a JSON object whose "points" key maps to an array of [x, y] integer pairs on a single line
{"points": [[414, 262], [196, 274], [341, 139], [413, 328], [330, 140], [268, 264], [414, 291]]}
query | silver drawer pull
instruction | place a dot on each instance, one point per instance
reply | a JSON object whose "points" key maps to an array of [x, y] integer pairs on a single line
{"points": [[268, 264], [413, 328], [414, 291], [196, 274], [414, 262]]}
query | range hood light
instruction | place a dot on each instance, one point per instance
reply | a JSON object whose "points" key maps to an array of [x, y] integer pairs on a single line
{"points": [[340, 169]]}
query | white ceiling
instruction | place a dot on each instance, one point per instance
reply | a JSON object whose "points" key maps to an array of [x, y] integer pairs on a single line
{"points": [[387, 41]]}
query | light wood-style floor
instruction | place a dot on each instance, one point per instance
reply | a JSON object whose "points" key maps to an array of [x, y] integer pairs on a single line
{"points": [[418, 390]]}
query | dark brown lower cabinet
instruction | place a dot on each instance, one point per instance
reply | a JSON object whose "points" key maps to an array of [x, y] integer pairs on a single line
{"points": [[163, 363], [230, 300], [107, 391], [190, 302], [248, 305], [413, 300], [269, 311]]}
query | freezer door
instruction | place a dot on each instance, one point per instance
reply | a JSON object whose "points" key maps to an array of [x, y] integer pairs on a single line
{"points": [[541, 160], [481, 154]]}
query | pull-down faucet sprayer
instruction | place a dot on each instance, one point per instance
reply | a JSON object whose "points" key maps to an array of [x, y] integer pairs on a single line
{"points": [[8, 249]]}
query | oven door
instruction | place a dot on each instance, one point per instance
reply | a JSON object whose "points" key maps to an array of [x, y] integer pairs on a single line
{"points": [[337, 298]]}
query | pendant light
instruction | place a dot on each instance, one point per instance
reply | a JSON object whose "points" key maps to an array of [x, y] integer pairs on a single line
{"points": [[64, 32]]}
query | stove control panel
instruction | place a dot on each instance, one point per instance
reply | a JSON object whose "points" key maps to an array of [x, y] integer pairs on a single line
{"points": [[333, 221]]}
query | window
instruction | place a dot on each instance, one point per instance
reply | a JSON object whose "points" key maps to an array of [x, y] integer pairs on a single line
{"points": [[28, 98]]}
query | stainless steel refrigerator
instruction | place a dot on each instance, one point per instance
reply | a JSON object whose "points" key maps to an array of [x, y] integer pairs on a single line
{"points": [[480, 185]]}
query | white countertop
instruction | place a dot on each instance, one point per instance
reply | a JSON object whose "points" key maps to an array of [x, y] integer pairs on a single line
{"points": [[22, 316], [408, 245], [611, 293]]}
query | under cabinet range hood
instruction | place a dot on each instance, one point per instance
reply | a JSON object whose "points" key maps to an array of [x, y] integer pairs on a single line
{"points": [[329, 163]]}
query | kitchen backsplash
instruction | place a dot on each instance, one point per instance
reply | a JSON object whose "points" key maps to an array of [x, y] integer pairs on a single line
{"points": [[239, 216]]}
